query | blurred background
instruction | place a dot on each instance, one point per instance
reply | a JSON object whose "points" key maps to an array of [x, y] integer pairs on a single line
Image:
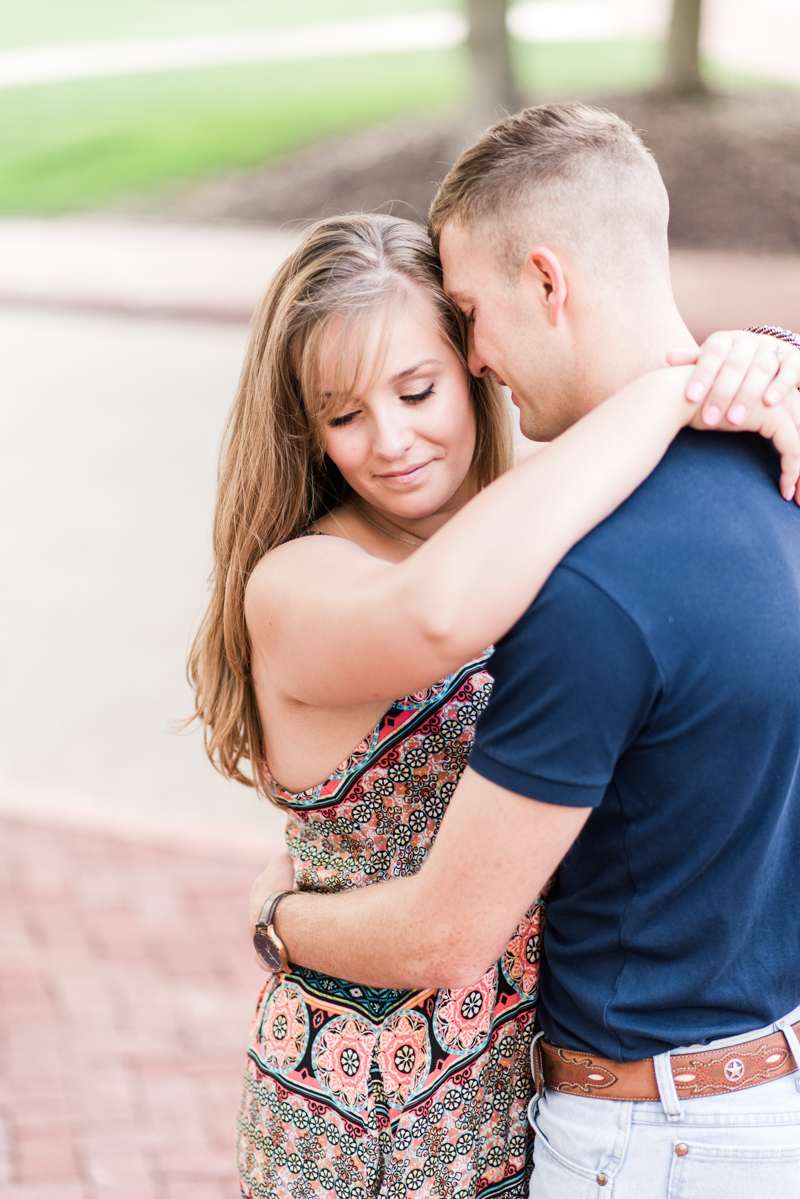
{"points": [[156, 161]]}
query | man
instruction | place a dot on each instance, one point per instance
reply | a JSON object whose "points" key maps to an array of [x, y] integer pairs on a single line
{"points": [[645, 721]]}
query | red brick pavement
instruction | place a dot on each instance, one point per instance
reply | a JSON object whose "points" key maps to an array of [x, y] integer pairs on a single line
{"points": [[127, 984]]}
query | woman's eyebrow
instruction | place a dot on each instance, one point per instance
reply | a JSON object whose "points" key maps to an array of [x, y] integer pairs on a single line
{"points": [[412, 370]]}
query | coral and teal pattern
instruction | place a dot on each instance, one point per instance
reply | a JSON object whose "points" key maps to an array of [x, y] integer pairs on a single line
{"points": [[356, 1092]]}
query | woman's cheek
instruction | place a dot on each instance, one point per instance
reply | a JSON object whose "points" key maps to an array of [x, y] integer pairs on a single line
{"points": [[456, 428], [347, 454]]}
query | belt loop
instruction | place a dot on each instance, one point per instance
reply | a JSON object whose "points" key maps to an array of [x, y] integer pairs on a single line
{"points": [[537, 1070], [667, 1091], [792, 1042]]}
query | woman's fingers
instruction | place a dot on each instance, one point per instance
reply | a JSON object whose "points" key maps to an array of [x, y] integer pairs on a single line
{"points": [[758, 386], [683, 357], [786, 438], [779, 425], [709, 359], [736, 370], [729, 394], [787, 379]]}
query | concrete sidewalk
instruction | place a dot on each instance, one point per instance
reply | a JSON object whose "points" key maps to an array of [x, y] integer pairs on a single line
{"points": [[138, 267], [127, 985], [218, 272], [753, 35]]}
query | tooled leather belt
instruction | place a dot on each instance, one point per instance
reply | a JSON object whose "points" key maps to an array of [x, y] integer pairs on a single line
{"points": [[705, 1072]]}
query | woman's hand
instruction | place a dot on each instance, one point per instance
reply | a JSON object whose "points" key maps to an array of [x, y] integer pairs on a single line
{"points": [[737, 371], [277, 876], [781, 425]]}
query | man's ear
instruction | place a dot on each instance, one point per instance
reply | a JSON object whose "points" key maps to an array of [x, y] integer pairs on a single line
{"points": [[542, 271]]}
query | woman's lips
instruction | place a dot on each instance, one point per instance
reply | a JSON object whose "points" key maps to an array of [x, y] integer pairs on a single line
{"points": [[405, 476]]}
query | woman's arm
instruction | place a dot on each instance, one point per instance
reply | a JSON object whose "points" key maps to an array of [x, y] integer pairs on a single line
{"points": [[335, 626]]}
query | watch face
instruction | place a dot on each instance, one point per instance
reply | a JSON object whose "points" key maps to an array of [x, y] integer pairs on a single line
{"points": [[266, 951]]}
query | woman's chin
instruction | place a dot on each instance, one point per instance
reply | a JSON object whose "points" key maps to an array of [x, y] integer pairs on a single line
{"points": [[409, 506]]}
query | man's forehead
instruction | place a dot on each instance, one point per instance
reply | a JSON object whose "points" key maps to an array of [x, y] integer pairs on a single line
{"points": [[465, 264]]}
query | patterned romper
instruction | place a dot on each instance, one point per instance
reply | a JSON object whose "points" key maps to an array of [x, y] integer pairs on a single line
{"points": [[352, 1092]]}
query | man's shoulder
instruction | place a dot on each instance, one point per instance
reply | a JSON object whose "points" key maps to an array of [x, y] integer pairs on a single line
{"points": [[707, 532], [709, 489]]}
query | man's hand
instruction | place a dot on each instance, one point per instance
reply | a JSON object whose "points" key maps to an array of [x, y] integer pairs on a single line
{"points": [[277, 876], [444, 926], [737, 371]]}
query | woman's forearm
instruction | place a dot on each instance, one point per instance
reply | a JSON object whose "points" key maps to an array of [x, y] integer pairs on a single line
{"points": [[463, 588]]}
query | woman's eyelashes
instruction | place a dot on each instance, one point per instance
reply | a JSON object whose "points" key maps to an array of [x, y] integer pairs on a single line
{"points": [[339, 421], [347, 418], [419, 396]]}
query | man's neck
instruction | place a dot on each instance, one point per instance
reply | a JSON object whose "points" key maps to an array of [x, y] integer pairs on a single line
{"points": [[633, 342]]}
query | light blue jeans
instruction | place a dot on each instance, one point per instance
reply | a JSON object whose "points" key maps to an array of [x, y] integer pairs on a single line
{"points": [[745, 1145]]}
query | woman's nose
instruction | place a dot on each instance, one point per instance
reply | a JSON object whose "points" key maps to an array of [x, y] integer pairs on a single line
{"points": [[393, 436]]}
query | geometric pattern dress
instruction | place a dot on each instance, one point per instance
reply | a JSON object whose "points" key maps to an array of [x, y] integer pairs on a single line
{"points": [[354, 1092]]}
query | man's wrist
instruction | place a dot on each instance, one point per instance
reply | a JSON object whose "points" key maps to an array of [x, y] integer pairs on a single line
{"points": [[269, 946]]}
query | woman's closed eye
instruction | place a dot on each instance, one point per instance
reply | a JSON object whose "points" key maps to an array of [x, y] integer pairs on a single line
{"points": [[346, 418], [339, 421], [419, 396]]}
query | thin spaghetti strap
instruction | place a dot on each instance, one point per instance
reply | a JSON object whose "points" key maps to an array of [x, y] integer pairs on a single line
{"points": [[313, 533]]}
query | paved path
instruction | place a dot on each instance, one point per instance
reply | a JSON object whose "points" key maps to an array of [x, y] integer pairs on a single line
{"points": [[722, 289], [754, 35], [218, 272], [334, 39], [109, 429], [138, 267], [127, 986]]}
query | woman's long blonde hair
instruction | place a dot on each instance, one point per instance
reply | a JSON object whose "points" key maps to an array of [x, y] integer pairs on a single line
{"points": [[274, 479]]}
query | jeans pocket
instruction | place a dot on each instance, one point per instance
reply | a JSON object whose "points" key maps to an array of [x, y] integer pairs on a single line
{"points": [[736, 1172], [557, 1177]]}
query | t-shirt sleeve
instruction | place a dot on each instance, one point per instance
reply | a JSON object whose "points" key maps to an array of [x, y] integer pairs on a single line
{"points": [[574, 683]]}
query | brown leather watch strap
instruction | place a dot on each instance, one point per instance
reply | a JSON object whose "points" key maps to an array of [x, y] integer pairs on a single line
{"points": [[270, 949], [269, 906], [704, 1072]]}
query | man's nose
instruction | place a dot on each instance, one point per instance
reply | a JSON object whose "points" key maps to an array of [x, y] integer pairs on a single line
{"points": [[477, 365]]}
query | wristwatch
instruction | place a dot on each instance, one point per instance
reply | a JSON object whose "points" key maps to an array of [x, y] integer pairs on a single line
{"points": [[270, 949]]}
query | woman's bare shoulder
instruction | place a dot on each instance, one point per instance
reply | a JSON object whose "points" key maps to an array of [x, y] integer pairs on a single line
{"points": [[304, 560]]}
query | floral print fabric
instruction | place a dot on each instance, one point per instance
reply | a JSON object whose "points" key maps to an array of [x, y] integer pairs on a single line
{"points": [[357, 1092]]}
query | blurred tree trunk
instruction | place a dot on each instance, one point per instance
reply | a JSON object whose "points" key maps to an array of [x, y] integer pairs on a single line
{"points": [[493, 91], [682, 75]]}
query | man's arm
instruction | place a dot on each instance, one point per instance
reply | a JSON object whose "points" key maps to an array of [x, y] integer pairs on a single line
{"points": [[574, 681], [446, 925]]}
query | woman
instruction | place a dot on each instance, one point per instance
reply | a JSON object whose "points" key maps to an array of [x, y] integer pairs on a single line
{"points": [[357, 434]]}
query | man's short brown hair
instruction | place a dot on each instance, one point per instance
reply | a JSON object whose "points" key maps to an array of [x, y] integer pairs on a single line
{"points": [[575, 175]]}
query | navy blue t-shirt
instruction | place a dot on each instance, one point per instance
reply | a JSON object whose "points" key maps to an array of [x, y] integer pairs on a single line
{"points": [[656, 679]]}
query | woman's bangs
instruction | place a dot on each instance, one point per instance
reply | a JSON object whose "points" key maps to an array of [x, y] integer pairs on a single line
{"points": [[345, 356]]}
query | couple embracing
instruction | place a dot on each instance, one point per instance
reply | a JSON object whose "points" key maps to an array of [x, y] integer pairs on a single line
{"points": [[597, 659]]}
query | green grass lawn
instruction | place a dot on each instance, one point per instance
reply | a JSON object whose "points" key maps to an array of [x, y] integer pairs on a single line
{"points": [[76, 146]]}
